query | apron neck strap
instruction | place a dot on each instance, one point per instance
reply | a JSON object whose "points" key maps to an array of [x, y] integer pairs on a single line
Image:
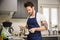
{"points": [[35, 14]]}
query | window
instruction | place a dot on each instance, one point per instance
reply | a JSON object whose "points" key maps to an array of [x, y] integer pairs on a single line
{"points": [[54, 17], [46, 14], [51, 16]]}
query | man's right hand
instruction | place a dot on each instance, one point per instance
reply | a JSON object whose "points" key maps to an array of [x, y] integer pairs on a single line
{"points": [[22, 27]]}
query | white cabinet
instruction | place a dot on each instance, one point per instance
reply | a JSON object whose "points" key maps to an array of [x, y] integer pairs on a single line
{"points": [[8, 5]]}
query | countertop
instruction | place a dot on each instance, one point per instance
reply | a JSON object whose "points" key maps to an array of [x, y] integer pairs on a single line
{"points": [[46, 36], [50, 35], [24, 37]]}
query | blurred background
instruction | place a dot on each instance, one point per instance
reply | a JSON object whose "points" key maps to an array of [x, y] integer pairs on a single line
{"points": [[13, 11]]}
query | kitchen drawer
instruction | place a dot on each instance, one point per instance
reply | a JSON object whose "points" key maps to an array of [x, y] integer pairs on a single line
{"points": [[50, 38]]}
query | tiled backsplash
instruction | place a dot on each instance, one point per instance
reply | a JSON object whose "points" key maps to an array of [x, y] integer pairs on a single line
{"points": [[17, 22]]}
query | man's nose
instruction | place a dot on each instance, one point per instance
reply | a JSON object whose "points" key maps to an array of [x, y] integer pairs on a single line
{"points": [[28, 11]]}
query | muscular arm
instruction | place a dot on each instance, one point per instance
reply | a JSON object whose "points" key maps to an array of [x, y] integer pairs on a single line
{"points": [[43, 27]]}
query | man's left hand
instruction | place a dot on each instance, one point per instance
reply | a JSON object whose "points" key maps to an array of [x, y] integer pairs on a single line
{"points": [[32, 30]]}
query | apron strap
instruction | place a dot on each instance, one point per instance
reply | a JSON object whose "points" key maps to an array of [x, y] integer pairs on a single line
{"points": [[35, 14]]}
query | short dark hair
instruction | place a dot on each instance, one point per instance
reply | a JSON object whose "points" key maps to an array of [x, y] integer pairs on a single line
{"points": [[28, 4]]}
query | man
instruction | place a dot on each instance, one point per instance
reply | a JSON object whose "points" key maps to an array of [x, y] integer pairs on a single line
{"points": [[35, 23]]}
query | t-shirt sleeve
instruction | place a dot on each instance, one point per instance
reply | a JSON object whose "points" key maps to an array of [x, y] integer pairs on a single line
{"points": [[42, 18]]}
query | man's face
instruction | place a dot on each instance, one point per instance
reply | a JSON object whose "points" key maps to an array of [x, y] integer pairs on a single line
{"points": [[30, 10]]}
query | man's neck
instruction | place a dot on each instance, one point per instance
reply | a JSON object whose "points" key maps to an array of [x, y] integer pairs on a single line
{"points": [[33, 14]]}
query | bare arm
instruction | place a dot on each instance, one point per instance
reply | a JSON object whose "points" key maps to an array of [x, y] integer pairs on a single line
{"points": [[44, 26]]}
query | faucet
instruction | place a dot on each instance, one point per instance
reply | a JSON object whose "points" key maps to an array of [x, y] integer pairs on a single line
{"points": [[49, 32]]}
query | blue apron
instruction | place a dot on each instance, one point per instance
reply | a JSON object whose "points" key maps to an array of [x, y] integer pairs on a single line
{"points": [[32, 23]]}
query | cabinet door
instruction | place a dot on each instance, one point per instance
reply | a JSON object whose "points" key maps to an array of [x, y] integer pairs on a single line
{"points": [[21, 12], [50, 38]]}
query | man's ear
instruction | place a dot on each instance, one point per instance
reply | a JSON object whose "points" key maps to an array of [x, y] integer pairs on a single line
{"points": [[33, 8]]}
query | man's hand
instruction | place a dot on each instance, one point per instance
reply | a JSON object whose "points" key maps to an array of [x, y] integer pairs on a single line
{"points": [[22, 27], [32, 30]]}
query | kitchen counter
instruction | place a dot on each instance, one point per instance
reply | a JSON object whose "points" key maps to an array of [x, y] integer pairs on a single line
{"points": [[50, 35], [45, 36], [15, 38]]}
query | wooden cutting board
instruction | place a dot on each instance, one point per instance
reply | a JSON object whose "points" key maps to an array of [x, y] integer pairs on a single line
{"points": [[1, 38]]}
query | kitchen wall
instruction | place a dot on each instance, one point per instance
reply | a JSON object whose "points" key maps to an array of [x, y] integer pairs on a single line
{"points": [[21, 10], [59, 16], [7, 7], [48, 3]]}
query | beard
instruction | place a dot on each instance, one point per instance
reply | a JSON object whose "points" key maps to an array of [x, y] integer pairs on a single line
{"points": [[30, 14]]}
